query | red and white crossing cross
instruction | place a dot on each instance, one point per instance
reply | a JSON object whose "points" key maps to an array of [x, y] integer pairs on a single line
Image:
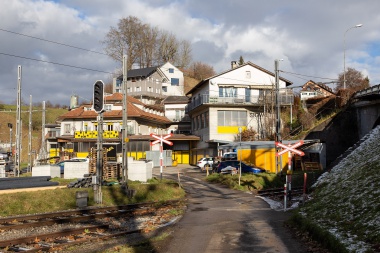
{"points": [[290, 148], [160, 138]]}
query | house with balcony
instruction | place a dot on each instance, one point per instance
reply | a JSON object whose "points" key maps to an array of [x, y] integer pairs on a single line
{"points": [[151, 85], [312, 89], [243, 97]]}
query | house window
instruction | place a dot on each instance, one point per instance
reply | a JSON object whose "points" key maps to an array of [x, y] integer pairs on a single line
{"points": [[109, 127], [67, 128], [232, 118], [175, 81], [108, 107], [248, 74], [179, 114], [171, 70], [118, 82], [52, 134], [227, 92], [164, 88], [247, 94]]}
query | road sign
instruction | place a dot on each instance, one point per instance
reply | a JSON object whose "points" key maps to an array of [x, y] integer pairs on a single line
{"points": [[290, 148], [160, 138]]}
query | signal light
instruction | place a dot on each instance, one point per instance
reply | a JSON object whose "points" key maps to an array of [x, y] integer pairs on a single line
{"points": [[98, 99]]}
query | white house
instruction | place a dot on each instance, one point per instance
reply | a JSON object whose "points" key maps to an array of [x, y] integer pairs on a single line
{"points": [[233, 100], [311, 89], [152, 84]]}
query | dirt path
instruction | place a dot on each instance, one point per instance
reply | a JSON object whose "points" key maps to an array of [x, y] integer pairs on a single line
{"points": [[219, 219]]}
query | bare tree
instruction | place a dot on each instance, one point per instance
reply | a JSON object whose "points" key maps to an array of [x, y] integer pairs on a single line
{"points": [[145, 45], [125, 39], [201, 71], [108, 88], [149, 41], [184, 58], [168, 47], [355, 80]]}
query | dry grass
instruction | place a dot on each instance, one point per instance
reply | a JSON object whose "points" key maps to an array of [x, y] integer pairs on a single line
{"points": [[64, 199]]}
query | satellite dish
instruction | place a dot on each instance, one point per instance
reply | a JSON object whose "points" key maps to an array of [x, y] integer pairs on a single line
{"points": [[213, 82]]}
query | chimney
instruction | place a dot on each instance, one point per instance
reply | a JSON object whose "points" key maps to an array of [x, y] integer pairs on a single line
{"points": [[233, 64]]}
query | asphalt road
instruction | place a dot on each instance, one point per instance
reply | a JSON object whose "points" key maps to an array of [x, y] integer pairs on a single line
{"points": [[219, 219]]}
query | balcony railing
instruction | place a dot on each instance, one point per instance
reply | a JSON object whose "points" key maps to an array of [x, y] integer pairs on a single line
{"points": [[205, 99]]}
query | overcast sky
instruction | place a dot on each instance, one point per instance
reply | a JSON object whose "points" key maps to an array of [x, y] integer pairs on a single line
{"points": [[308, 35]]}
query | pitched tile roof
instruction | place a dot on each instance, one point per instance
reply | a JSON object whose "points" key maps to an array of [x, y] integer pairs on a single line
{"points": [[132, 112], [176, 100]]}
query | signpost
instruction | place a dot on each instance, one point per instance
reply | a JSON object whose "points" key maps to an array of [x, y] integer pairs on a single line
{"points": [[290, 148], [160, 140]]}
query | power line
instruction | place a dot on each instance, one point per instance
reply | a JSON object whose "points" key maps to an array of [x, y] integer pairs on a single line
{"points": [[56, 63], [54, 42], [334, 79]]}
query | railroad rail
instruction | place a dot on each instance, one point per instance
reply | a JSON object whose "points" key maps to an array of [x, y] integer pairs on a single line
{"points": [[279, 192], [28, 233]]}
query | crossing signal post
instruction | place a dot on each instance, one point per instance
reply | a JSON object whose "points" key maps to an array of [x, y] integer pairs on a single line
{"points": [[98, 103], [98, 96]]}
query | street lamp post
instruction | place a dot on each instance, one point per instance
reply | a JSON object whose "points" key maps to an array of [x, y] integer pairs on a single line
{"points": [[344, 53]]}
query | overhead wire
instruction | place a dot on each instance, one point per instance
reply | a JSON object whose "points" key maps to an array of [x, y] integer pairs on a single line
{"points": [[296, 74], [54, 42], [100, 71], [56, 63]]}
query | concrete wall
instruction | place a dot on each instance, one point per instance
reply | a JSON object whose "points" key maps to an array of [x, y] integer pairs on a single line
{"points": [[75, 170], [140, 170], [367, 114], [154, 156], [46, 170]]}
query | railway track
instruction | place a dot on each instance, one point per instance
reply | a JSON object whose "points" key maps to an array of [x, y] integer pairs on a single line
{"points": [[279, 192], [55, 231]]}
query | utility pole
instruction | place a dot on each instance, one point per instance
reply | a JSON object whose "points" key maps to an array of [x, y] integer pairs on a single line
{"points": [[278, 113], [42, 154], [18, 124], [99, 160], [30, 136], [124, 129]]}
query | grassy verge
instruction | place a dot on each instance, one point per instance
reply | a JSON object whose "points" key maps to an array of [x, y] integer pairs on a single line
{"points": [[311, 230], [261, 181], [63, 199]]}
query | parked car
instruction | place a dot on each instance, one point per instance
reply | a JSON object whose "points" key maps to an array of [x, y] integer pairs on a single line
{"points": [[204, 162], [229, 156], [227, 167], [79, 159]]}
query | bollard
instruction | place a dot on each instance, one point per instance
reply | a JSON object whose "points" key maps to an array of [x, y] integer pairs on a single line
{"points": [[81, 198]]}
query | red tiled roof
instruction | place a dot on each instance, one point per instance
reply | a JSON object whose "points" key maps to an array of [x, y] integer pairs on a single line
{"points": [[132, 112]]}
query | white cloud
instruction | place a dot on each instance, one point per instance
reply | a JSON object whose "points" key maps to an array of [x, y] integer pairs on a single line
{"points": [[307, 35]]}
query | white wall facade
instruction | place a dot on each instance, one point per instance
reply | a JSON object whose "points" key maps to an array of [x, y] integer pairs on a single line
{"points": [[240, 78], [170, 71]]}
